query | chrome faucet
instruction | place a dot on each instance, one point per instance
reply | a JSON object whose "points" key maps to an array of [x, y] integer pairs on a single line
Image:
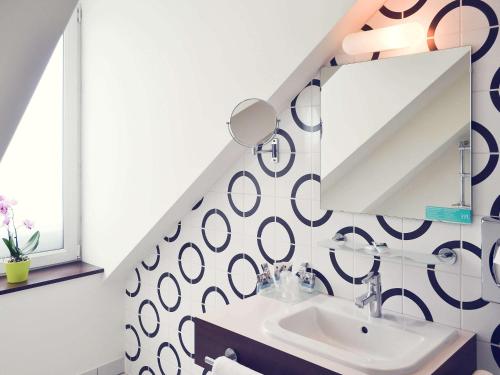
{"points": [[373, 296]]}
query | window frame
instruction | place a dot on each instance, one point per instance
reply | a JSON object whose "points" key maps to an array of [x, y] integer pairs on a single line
{"points": [[71, 150]]}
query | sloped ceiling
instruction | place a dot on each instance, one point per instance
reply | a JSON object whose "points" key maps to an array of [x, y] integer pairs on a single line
{"points": [[29, 31], [160, 79]]}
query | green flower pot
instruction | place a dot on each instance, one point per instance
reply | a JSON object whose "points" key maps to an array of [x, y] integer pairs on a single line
{"points": [[17, 272]]}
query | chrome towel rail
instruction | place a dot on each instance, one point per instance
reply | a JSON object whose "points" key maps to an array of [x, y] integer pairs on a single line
{"points": [[229, 353]]}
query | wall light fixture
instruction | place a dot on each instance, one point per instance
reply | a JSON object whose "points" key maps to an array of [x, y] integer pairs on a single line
{"points": [[383, 39]]}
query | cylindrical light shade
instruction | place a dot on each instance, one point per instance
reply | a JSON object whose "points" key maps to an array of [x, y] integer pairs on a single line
{"points": [[383, 39]]}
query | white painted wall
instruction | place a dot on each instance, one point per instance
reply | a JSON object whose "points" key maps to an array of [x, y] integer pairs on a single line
{"points": [[160, 78], [62, 329], [29, 31]]}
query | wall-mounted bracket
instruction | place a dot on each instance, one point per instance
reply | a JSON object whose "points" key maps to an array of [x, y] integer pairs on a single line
{"points": [[447, 255], [463, 148], [274, 150]]}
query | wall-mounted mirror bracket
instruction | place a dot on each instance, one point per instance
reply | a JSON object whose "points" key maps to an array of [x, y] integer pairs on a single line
{"points": [[463, 148], [274, 150]]}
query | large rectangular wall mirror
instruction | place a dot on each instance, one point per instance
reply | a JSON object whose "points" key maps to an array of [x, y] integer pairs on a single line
{"points": [[396, 136]]}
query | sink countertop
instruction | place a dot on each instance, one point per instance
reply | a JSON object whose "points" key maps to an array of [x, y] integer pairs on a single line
{"points": [[248, 316]]}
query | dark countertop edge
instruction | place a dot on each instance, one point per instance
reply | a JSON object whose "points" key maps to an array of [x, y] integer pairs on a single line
{"points": [[51, 275]]}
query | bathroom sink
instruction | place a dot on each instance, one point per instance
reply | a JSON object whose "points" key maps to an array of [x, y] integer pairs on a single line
{"points": [[338, 331]]}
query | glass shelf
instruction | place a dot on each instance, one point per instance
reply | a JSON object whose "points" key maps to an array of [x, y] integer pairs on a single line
{"points": [[443, 256]]}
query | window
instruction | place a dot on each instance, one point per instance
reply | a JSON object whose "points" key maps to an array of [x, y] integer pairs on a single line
{"points": [[40, 168]]}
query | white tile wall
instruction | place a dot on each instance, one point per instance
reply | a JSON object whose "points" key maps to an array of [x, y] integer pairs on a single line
{"points": [[447, 295]]}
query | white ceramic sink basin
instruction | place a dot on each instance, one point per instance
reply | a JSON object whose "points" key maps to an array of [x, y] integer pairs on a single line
{"points": [[338, 331]]}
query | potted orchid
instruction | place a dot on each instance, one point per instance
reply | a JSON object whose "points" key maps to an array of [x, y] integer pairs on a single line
{"points": [[18, 265]]}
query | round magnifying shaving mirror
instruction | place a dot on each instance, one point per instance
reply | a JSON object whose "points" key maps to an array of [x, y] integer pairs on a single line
{"points": [[253, 123]]}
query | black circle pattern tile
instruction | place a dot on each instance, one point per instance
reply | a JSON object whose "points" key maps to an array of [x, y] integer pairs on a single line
{"points": [[168, 275], [146, 370], [210, 290], [410, 295], [402, 14], [135, 356], [495, 90], [481, 6], [333, 258], [216, 249], [466, 305], [153, 266], [138, 288], [168, 346], [492, 159], [284, 224], [175, 235], [304, 220], [197, 205], [420, 231], [197, 279], [185, 320], [256, 205], [305, 127], [150, 303], [245, 258]]}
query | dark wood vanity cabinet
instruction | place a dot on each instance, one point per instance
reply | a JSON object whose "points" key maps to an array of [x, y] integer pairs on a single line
{"points": [[212, 340]]}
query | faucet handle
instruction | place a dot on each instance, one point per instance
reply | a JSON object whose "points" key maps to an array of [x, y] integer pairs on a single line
{"points": [[371, 277]]}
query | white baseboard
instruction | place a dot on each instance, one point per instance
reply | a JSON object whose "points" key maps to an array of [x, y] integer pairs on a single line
{"points": [[116, 367]]}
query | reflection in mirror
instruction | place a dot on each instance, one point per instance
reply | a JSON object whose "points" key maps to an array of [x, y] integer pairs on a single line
{"points": [[253, 123], [396, 136]]}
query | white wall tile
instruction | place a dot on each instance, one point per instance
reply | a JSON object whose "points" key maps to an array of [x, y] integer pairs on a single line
{"points": [[471, 243], [486, 192], [417, 281], [322, 262], [417, 238], [485, 114], [478, 315]]}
